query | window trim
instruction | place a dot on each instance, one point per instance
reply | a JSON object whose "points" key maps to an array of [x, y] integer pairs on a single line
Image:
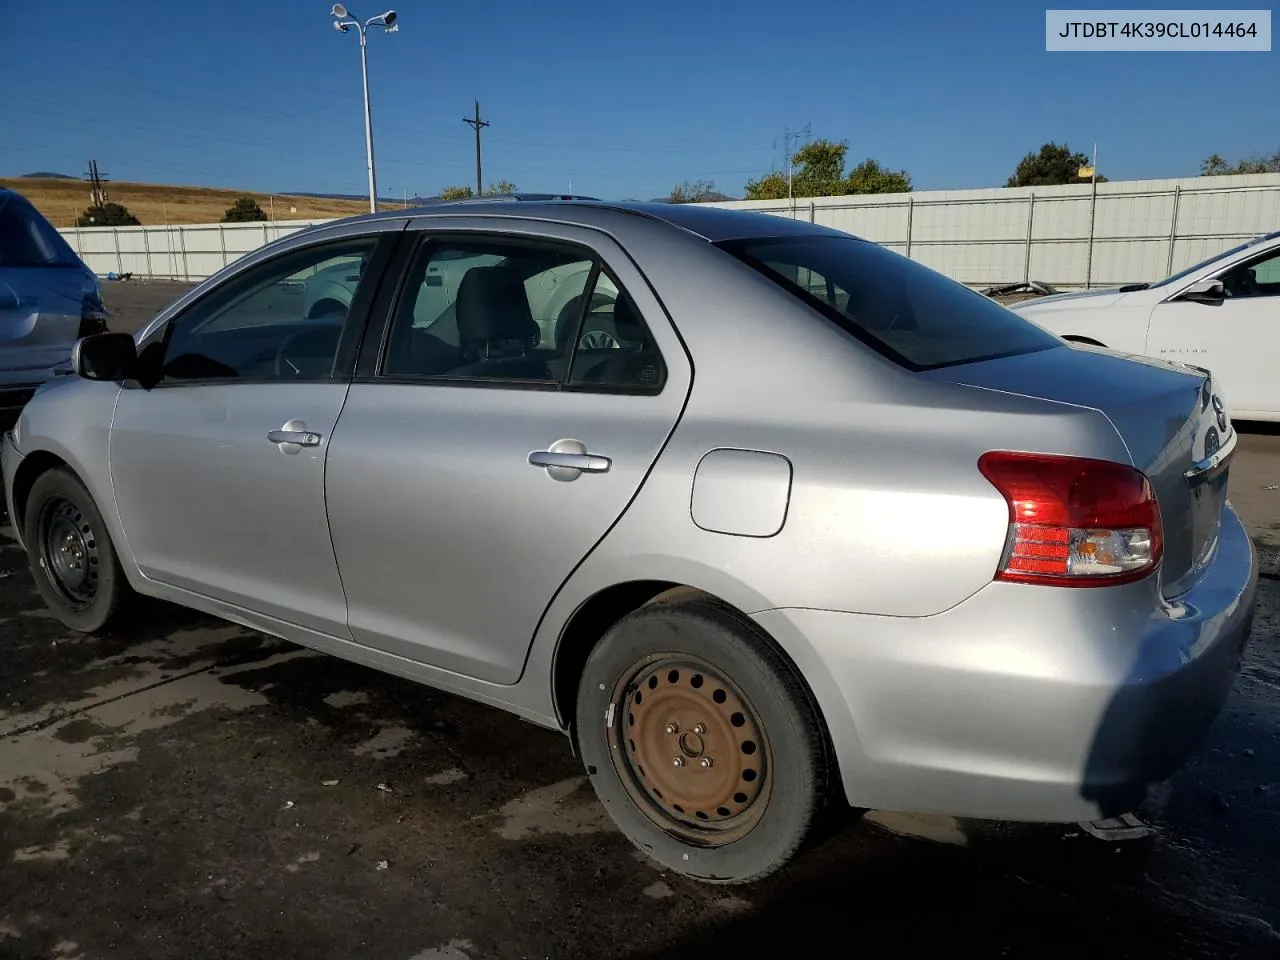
{"points": [[377, 343], [737, 249], [383, 244]]}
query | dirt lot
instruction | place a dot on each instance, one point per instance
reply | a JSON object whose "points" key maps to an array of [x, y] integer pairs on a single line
{"points": [[189, 789], [63, 200]]}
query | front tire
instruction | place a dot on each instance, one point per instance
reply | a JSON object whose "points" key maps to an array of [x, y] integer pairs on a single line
{"points": [[701, 741], [70, 553]]}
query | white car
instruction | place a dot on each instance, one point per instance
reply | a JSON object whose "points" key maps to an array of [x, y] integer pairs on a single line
{"points": [[1222, 314]]}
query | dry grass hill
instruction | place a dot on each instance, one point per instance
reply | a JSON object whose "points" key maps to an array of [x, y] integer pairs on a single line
{"points": [[62, 200]]}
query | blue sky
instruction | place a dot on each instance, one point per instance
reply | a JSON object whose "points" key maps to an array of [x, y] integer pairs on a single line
{"points": [[625, 99]]}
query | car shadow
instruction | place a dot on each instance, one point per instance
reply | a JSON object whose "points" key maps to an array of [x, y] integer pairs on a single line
{"points": [[1014, 892], [1261, 428]]}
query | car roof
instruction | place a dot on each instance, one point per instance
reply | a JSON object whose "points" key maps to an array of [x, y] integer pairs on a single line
{"points": [[714, 224]]}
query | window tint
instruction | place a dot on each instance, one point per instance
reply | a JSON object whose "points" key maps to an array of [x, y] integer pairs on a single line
{"points": [[614, 348], [27, 239], [513, 310], [912, 314], [1261, 278], [280, 320]]}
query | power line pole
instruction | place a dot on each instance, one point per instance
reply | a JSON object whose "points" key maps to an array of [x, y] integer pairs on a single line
{"points": [[98, 193], [476, 124]]}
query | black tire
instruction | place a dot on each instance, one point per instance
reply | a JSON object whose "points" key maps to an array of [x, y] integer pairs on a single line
{"points": [[746, 838], [61, 511]]}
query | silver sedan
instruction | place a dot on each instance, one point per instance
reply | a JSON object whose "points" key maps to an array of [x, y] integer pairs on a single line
{"points": [[767, 518]]}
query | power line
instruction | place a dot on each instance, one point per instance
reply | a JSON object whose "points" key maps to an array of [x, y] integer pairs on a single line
{"points": [[476, 124]]}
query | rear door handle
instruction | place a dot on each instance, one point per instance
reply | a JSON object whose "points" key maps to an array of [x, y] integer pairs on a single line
{"points": [[304, 438], [294, 433], [568, 460]]}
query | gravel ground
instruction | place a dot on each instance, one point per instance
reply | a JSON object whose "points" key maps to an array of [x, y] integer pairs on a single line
{"points": [[185, 788]]}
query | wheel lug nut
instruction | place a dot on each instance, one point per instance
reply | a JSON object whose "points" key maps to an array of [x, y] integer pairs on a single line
{"points": [[678, 761], [672, 729], [706, 763], [700, 729]]}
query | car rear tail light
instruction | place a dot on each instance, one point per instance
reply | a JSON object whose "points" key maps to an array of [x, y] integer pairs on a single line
{"points": [[1075, 522], [93, 315]]}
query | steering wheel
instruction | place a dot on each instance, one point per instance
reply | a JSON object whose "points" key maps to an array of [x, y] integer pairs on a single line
{"points": [[317, 361]]}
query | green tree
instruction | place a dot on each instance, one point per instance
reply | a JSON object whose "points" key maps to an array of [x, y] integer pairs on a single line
{"points": [[107, 215], [818, 171], [456, 193], [696, 191], [1052, 166], [244, 210], [1215, 166], [500, 188], [870, 177], [772, 186]]}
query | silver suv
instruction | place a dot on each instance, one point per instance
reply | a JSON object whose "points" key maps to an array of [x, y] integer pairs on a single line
{"points": [[48, 300]]}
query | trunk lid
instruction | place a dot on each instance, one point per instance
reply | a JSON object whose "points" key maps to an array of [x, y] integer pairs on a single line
{"points": [[1168, 415]]}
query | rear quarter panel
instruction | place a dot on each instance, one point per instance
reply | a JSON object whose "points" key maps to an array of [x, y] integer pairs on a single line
{"points": [[1120, 327]]}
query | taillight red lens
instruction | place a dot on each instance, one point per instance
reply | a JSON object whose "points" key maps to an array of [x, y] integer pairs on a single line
{"points": [[1074, 521]]}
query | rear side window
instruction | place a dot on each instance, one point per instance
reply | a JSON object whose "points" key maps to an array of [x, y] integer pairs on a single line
{"points": [[908, 312], [27, 239]]}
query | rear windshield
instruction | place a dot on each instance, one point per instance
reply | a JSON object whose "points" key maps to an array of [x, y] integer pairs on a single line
{"points": [[910, 313], [27, 239]]}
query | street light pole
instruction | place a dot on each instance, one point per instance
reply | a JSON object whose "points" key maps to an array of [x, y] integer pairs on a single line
{"points": [[342, 24], [368, 125]]}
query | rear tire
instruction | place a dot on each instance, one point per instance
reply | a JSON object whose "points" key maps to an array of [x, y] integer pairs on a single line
{"points": [[70, 553], [701, 741]]}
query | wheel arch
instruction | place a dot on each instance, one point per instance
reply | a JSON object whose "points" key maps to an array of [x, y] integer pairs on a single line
{"points": [[32, 467], [595, 615]]}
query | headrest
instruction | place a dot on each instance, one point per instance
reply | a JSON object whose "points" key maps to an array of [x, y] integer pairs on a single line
{"points": [[627, 324], [492, 305]]}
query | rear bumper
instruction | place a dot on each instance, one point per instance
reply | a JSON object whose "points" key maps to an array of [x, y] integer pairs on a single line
{"points": [[1028, 702]]}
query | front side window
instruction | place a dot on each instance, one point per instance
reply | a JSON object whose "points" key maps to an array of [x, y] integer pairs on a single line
{"points": [[910, 313], [281, 320], [1261, 278], [516, 310]]}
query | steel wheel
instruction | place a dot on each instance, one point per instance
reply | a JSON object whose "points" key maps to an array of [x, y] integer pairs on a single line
{"points": [[69, 552], [690, 750], [598, 340]]}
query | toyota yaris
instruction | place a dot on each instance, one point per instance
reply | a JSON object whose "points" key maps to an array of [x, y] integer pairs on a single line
{"points": [[763, 516]]}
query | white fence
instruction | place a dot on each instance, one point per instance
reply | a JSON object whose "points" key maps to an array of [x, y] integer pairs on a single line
{"points": [[185, 252], [1130, 231], [1068, 236]]}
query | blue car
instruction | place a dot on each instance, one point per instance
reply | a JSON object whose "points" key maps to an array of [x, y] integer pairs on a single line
{"points": [[49, 299]]}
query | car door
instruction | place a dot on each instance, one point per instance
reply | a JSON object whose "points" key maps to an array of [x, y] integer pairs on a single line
{"points": [[480, 455], [1235, 336], [218, 469]]}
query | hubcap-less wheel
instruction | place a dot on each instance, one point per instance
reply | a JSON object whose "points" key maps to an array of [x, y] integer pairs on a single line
{"points": [[70, 551], [690, 751], [597, 340]]}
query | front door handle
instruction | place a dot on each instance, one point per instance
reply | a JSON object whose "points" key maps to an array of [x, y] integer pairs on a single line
{"points": [[568, 460], [293, 436]]}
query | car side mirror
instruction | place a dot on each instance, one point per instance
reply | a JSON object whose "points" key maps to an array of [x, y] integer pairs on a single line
{"points": [[1204, 291], [105, 356]]}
